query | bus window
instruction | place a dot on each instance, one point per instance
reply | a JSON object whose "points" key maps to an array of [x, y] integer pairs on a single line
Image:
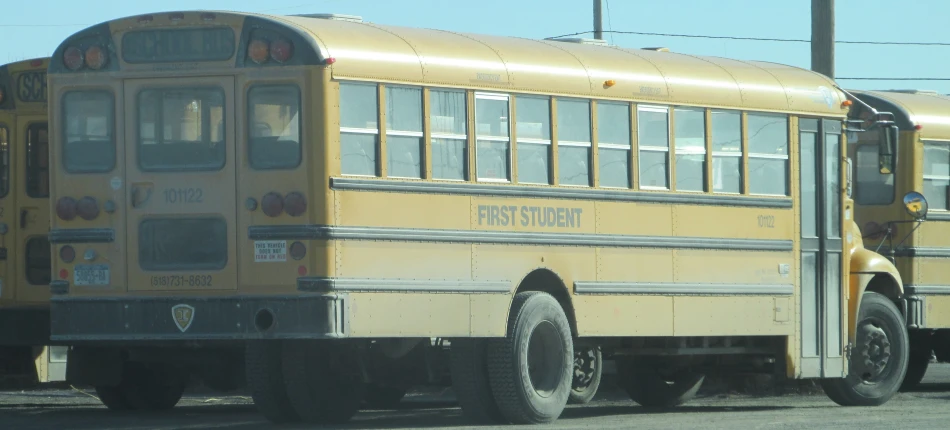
{"points": [[181, 129], [90, 142], [653, 127], [447, 124], [936, 174], [4, 161], [274, 112], [492, 139], [613, 146], [533, 126], [690, 143], [37, 161], [404, 132], [873, 188], [358, 129], [573, 147], [768, 154], [727, 151]]}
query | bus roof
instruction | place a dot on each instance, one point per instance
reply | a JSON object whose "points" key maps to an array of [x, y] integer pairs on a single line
{"points": [[368, 51], [928, 109], [23, 81]]}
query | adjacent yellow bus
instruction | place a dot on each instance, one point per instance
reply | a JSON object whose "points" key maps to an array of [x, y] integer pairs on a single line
{"points": [[348, 201], [921, 150], [24, 225]]}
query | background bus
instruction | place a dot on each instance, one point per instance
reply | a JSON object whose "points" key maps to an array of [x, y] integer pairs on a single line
{"points": [[921, 251], [345, 196], [24, 225]]}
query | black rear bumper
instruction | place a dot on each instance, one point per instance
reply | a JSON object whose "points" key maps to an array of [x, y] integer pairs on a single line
{"points": [[87, 319]]}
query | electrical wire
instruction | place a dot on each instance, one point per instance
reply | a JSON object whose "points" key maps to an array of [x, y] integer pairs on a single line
{"points": [[757, 39]]}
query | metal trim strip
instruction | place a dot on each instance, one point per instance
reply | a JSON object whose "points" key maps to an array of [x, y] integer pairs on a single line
{"points": [[358, 184], [82, 235], [933, 290], [680, 288], [320, 284]]}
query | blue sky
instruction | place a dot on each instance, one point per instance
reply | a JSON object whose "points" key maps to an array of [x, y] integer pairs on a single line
{"points": [[34, 28]]}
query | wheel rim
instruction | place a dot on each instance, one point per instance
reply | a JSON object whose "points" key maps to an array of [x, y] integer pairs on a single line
{"points": [[873, 351], [584, 369], [545, 358]]}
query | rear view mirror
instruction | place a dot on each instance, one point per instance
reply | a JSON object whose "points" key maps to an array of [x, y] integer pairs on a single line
{"points": [[887, 149], [916, 205]]}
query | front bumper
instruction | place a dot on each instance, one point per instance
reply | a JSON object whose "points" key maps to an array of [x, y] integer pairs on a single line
{"points": [[304, 316]]}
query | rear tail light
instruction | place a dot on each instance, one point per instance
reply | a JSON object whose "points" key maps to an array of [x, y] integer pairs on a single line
{"points": [[67, 254], [66, 208], [177, 16], [281, 50], [87, 208], [258, 51], [272, 204], [144, 19], [207, 16], [298, 250], [295, 204], [72, 58], [96, 57]]}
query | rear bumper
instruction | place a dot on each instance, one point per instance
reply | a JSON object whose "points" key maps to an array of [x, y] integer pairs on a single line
{"points": [[86, 319]]}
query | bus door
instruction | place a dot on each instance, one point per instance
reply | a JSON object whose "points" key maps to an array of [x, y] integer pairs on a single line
{"points": [[8, 238], [180, 179], [30, 219], [822, 293]]}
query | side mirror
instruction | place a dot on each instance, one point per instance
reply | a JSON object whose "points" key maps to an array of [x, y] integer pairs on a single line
{"points": [[916, 205], [887, 149]]}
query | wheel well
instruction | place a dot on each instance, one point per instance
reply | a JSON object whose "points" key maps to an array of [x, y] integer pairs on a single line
{"points": [[546, 281], [884, 284]]}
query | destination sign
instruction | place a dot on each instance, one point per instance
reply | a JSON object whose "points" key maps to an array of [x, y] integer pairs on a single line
{"points": [[31, 87], [178, 45]]}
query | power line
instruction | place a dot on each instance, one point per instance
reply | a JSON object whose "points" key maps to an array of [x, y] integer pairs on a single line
{"points": [[758, 39]]}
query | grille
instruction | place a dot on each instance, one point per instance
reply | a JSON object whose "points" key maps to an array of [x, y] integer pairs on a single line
{"points": [[183, 244]]}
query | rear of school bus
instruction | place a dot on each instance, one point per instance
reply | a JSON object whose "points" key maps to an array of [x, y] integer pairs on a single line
{"points": [[24, 224], [169, 142], [904, 213]]}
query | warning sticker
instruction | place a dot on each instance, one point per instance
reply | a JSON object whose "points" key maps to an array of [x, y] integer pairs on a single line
{"points": [[270, 251]]}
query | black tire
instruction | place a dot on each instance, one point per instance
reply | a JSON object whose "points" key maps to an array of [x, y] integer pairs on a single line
{"points": [[113, 397], [380, 396], [323, 381], [588, 369], [468, 365], [918, 359], [152, 387], [265, 380], [530, 369], [652, 386], [879, 359]]}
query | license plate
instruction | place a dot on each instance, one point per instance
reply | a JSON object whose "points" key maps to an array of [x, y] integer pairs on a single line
{"points": [[270, 250], [91, 274]]}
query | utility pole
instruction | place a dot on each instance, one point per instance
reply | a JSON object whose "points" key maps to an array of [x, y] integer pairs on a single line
{"points": [[823, 37], [598, 21]]}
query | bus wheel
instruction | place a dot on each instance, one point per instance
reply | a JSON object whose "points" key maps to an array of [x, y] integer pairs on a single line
{"points": [[113, 397], [650, 385], [152, 387], [381, 396], [918, 359], [588, 365], [879, 359], [323, 381], [468, 365], [530, 369], [265, 380]]}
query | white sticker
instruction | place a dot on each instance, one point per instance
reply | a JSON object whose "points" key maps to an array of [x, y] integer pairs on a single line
{"points": [[270, 251], [115, 183]]}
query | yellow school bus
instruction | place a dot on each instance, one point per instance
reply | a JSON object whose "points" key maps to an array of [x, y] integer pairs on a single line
{"points": [[24, 224], [920, 148], [348, 200]]}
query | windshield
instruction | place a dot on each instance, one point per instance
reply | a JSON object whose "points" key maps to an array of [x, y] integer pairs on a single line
{"points": [[89, 133], [181, 129]]}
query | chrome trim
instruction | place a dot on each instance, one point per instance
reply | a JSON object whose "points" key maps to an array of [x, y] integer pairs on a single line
{"points": [[82, 235], [356, 184], [681, 288], [325, 285], [930, 290], [324, 232], [918, 251]]}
